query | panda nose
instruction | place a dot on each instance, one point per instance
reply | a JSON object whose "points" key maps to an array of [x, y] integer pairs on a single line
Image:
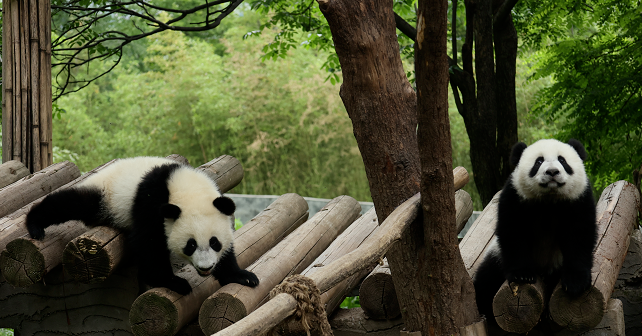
{"points": [[552, 171]]}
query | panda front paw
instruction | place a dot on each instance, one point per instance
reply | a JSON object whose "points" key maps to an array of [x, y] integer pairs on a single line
{"points": [[179, 285], [521, 277], [576, 282], [242, 277]]}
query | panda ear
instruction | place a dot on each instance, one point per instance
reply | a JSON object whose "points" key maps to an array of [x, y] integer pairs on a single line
{"points": [[579, 148], [225, 205], [170, 211], [516, 153]]}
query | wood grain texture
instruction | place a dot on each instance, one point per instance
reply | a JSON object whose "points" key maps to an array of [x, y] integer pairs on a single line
{"points": [[518, 307], [10, 172], [617, 217], [349, 240], [479, 236], [291, 256], [36, 185], [371, 250], [160, 311]]}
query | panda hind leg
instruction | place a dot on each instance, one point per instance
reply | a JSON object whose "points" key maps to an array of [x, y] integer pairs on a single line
{"points": [[64, 205], [488, 279], [228, 271]]}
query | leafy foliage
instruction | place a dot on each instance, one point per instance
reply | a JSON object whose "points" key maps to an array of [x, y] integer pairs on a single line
{"points": [[596, 64], [285, 125]]}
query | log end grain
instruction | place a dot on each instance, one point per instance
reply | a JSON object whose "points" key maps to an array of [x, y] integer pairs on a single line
{"points": [[577, 314], [220, 311], [22, 263], [92, 256], [378, 297], [153, 313], [518, 307]]}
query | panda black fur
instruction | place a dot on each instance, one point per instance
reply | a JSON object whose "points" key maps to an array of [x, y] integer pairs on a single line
{"points": [[545, 223], [163, 207]]}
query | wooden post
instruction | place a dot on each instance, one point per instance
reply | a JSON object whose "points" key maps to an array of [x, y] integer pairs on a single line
{"points": [[36, 185], [25, 267], [370, 251], [291, 256], [92, 256], [377, 294], [350, 239], [11, 171], [617, 217], [160, 311], [26, 94]]}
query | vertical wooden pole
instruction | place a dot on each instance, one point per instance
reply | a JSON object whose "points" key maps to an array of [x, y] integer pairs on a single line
{"points": [[26, 117], [7, 84]]}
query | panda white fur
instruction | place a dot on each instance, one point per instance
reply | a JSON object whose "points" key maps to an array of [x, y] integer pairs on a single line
{"points": [[163, 207], [545, 223]]}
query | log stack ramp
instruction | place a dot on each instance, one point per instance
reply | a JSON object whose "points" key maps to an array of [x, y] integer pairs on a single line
{"points": [[336, 249]]}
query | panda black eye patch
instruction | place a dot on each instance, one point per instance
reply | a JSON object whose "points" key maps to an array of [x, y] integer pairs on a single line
{"points": [[215, 244], [538, 163], [190, 247], [568, 168]]}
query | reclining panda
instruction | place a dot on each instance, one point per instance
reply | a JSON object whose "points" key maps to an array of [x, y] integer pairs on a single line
{"points": [[163, 207], [545, 223]]}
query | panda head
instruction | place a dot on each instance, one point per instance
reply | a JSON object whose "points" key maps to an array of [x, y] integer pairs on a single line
{"points": [[198, 221], [549, 169]]}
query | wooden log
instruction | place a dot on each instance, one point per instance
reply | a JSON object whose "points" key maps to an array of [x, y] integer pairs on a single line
{"points": [[12, 227], [36, 185], [291, 256], [11, 171], [354, 322], [377, 294], [518, 308], [283, 305], [160, 311], [93, 256], [479, 236], [350, 239], [617, 217], [461, 177]]}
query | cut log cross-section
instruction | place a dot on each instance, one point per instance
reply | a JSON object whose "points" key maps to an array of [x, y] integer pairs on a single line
{"points": [[92, 256], [291, 256], [23, 263], [162, 312]]}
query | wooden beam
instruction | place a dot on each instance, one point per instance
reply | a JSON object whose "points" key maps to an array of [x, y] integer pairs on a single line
{"points": [[291, 256], [36, 185], [160, 311]]}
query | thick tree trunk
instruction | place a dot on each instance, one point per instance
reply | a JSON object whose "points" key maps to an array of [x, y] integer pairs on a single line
{"points": [[381, 104], [448, 298]]}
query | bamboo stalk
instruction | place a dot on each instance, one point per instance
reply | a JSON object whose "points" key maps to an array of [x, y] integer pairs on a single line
{"points": [[24, 85], [46, 131], [17, 118], [90, 265], [35, 87], [160, 311], [291, 256], [7, 83]]}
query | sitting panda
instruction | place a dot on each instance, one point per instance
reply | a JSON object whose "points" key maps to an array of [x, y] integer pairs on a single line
{"points": [[163, 207], [545, 223]]}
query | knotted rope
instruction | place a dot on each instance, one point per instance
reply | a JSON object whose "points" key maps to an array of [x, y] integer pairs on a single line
{"points": [[309, 309]]}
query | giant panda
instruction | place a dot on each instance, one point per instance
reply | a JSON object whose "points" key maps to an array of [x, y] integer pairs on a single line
{"points": [[164, 207], [545, 223]]}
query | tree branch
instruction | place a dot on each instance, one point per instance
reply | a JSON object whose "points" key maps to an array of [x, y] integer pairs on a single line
{"points": [[503, 11]]}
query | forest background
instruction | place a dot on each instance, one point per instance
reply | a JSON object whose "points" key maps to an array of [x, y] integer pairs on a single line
{"points": [[235, 90]]}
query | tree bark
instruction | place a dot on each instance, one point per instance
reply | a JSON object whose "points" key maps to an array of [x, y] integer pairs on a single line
{"points": [[447, 297]]}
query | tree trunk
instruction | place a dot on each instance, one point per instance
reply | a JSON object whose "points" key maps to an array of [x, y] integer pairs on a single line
{"points": [[451, 291], [382, 107]]}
